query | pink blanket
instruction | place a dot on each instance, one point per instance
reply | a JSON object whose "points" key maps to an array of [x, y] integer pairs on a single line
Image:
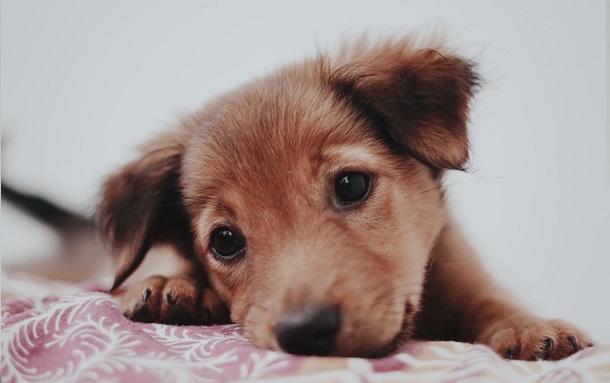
{"points": [[81, 337]]}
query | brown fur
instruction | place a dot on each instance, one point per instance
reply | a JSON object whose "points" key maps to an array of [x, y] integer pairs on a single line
{"points": [[262, 161]]}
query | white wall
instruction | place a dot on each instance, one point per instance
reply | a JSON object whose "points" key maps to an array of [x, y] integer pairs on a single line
{"points": [[84, 82]]}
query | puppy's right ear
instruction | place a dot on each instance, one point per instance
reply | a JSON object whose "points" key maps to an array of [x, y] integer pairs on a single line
{"points": [[142, 205], [419, 97]]}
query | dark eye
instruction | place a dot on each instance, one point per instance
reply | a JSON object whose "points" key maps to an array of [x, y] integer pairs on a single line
{"points": [[352, 187], [226, 243]]}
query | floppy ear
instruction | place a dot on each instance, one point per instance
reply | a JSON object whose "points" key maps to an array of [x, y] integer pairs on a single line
{"points": [[142, 206], [420, 97]]}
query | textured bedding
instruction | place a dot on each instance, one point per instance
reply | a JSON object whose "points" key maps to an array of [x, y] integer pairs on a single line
{"points": [[60, 333]]}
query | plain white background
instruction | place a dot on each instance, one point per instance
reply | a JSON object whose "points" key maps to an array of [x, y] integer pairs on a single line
{"points": [[84, 82]]}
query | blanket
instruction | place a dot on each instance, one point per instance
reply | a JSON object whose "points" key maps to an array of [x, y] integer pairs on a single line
{"points": [[60, 333]]}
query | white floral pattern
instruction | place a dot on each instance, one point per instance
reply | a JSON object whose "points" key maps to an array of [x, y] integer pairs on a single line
{"points": [[83, 338]]}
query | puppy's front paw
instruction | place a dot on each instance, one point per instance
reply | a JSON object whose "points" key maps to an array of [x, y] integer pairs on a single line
{"points": [[177, 300], [527, 338]]}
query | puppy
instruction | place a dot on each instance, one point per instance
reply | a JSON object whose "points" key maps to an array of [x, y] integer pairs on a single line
{"points": [[308, 208]]}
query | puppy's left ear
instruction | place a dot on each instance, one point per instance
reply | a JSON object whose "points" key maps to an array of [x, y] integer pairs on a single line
{"points": [[420, 97], [141, 206]]}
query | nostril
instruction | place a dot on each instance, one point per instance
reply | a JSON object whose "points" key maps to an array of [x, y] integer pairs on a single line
{"points": [[309, 331]]}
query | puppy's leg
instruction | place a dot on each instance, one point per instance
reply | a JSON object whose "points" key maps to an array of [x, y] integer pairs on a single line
{"points": [[462, 303], [175, 300]]}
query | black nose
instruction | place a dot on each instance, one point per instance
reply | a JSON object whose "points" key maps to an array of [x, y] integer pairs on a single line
{"points": [[309, 331]]}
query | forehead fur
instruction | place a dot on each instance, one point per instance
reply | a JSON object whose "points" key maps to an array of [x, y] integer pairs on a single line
{"points": [[275, 126]]}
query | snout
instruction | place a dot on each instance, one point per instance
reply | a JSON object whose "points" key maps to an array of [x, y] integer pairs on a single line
{"points": [[310, 330], [355, 308]]}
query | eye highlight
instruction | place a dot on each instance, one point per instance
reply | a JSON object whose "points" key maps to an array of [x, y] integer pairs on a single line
{"points": [[226, 243], [352, 187]]}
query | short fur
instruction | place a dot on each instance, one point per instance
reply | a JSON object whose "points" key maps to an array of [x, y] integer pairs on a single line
{"points": [[262, 160]]}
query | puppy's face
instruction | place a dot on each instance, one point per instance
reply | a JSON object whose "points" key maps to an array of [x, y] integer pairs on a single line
{"points": [[300, 206], [311, 196]]}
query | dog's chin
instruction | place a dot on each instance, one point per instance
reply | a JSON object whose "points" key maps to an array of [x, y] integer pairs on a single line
{"points": [[363, 350], [399, 340], [403, 336]]}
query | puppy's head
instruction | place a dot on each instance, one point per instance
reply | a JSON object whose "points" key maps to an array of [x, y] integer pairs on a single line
{"points": [[310, 196]]}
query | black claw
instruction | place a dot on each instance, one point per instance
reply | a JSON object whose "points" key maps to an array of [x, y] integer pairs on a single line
{"points": [[509, 353], [573, 342], [589, 344], [146, 295], [549, 344], [170, 300], [207, 317]]}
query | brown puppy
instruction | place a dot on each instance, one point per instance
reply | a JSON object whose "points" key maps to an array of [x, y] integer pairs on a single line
{"points": [[308, 203]]}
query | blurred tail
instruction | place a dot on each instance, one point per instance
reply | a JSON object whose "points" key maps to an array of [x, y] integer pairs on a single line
{"points": [[44, 210], [82, 256]]}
